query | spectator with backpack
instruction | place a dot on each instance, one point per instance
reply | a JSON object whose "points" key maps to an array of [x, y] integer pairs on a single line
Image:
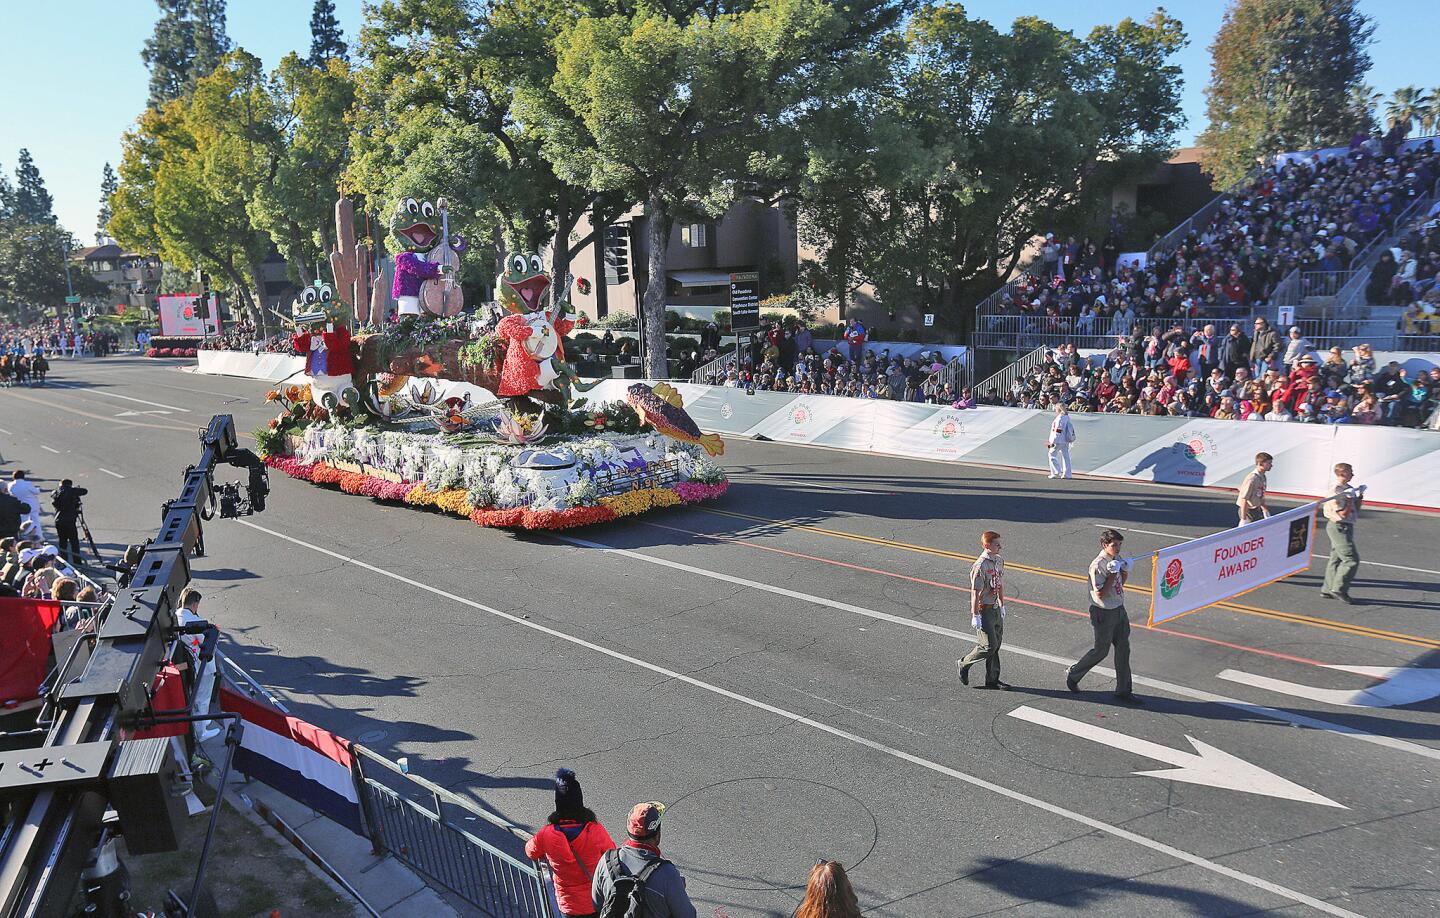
{"points": [[573, 841], [634, 881]]}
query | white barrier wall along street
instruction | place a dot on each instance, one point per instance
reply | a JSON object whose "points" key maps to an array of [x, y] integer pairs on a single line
{"points": [[1401, 467]]}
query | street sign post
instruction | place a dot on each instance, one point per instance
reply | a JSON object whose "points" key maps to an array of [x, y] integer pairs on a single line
{"points": [[745, 307], [72, 299]]}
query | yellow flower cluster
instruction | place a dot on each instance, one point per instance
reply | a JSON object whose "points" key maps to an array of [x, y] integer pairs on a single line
{"points": [[640, 500], [452, 500], [455, 500]]}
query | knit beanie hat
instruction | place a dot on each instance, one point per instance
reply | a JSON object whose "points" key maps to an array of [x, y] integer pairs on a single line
{"points": [[569, 798]]}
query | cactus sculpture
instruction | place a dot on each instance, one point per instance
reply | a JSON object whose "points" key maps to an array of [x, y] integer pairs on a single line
{"points": [[350, 264]]}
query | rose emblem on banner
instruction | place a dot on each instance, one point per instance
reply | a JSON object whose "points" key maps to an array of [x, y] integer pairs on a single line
{"points": [[800, 415], [947, 428], [1174, 576], [726, 411]]}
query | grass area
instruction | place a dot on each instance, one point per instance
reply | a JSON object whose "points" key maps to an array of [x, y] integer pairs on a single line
{"points": [[251, 873]]}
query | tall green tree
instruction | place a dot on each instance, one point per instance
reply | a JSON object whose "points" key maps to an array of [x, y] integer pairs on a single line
{"points": [[441, 111], [977, 137], [32, 265], [1408, 105], [189, 39], [32, 202], [686, 113], [109, 181], [1282, 78], [326, 38]]}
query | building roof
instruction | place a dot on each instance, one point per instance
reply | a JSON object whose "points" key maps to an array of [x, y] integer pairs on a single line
{"points": [[99, 252]]}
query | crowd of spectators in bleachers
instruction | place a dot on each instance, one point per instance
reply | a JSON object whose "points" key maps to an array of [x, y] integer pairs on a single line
{"points": [[244, 336], [1313, 213], [1229, 377]]}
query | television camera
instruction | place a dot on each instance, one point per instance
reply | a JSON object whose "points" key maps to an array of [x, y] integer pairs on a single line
{"points": [[79, 777]]}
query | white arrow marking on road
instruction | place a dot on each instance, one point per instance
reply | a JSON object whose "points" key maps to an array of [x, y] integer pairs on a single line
{"points": [[1399, 686], [131, 414], [1206, 765]]}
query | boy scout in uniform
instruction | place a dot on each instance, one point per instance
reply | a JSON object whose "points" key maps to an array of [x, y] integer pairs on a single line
{"points": [[1107, 575], [1251, 499], [987, 612], [1340, 513]]}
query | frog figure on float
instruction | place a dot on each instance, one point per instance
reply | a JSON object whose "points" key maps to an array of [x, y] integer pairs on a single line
{"points": [[322, 337], [427, 264], [535, 364]]}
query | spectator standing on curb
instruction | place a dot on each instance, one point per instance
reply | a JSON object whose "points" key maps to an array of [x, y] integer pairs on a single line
{"points": [[1251, 499], [1062, 434], [1108, 575], [828, 893], [573, 841], [66, 501], [635, 872], [987, 612], [1340, 514], [855, 338], [24, 490]]}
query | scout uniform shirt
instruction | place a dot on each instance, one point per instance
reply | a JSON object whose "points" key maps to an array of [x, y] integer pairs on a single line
{"points": [[1252, 491], [987, 579], [1343, 507], [1113, 598]]}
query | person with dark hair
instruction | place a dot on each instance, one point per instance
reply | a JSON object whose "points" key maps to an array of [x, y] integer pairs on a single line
{"points": [[24, 490], [637, 874], [1107, 575], [828, 893], [573, 841], [66, 500], [1340, 513]]}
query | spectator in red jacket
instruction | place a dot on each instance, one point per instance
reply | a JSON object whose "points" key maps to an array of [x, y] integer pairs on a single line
{"points": [[573, 841]]}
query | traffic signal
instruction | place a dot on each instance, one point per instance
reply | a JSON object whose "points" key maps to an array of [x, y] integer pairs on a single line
{"points": [[202, 307], [617, 254]]}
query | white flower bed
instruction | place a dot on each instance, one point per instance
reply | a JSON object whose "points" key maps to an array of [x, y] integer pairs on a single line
{"points": [[498, 476]]}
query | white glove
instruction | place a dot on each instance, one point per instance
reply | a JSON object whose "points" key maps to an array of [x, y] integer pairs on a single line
{"points": [[1002, 611], [1113, 567], [976, 621]]}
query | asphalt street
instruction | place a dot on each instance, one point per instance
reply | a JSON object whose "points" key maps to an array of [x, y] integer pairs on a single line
{"points": [[779, 668]]}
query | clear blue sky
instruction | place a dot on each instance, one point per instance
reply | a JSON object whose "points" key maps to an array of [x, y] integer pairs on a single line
{"points": [[74, 80]]}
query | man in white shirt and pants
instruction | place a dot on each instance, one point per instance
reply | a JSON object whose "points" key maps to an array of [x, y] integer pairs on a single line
{"points": [[25, 491], [1062, 434]]}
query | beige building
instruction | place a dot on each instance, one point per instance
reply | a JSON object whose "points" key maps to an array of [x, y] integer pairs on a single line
{"points": [[700, 259], [133, 277]]}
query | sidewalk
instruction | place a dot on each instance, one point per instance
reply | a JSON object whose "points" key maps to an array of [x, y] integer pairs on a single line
{"points": [[382, 885]]}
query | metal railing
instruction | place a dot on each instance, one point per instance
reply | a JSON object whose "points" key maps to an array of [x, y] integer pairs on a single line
{"points": [[414, 820], [425, 826], [1365, 259], [1002, 381], [1198, 220]]}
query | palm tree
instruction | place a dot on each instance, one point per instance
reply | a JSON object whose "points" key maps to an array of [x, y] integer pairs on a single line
{"points": [[1364, 98], [1407, 105], [1430, 117]]}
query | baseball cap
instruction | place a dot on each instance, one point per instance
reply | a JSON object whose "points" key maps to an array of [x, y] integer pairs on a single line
{"points": [[644, 821]]}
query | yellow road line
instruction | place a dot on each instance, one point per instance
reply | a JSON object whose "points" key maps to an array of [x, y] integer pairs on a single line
{"points": [[1292, 617]]}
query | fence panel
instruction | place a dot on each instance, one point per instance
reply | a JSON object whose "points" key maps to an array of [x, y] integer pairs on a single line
{"points": [[491, 880]]}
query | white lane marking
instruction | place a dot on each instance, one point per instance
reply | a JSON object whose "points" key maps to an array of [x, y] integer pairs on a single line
{"points": [[1398, 686], [50, 449], [113, 474], [126, 398], [6, 432], [1300, 720], [1206, 765], [1017, 796], [131, 414], [1186, 538]]}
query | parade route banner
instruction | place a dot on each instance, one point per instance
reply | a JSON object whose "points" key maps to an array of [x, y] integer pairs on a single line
{"points": [[1213, 568]]}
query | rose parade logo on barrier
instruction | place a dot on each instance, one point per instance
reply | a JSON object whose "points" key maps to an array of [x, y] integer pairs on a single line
{"points": [[1211, 569]]}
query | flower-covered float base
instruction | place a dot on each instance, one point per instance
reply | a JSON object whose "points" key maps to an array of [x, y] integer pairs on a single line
{"points": [[564, 482]]}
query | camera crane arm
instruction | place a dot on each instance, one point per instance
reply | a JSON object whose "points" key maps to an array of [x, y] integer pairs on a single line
{"points": [[54, 795]]}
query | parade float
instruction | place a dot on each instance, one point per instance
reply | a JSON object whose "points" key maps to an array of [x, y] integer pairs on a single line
{"points": [[475, 413]]}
